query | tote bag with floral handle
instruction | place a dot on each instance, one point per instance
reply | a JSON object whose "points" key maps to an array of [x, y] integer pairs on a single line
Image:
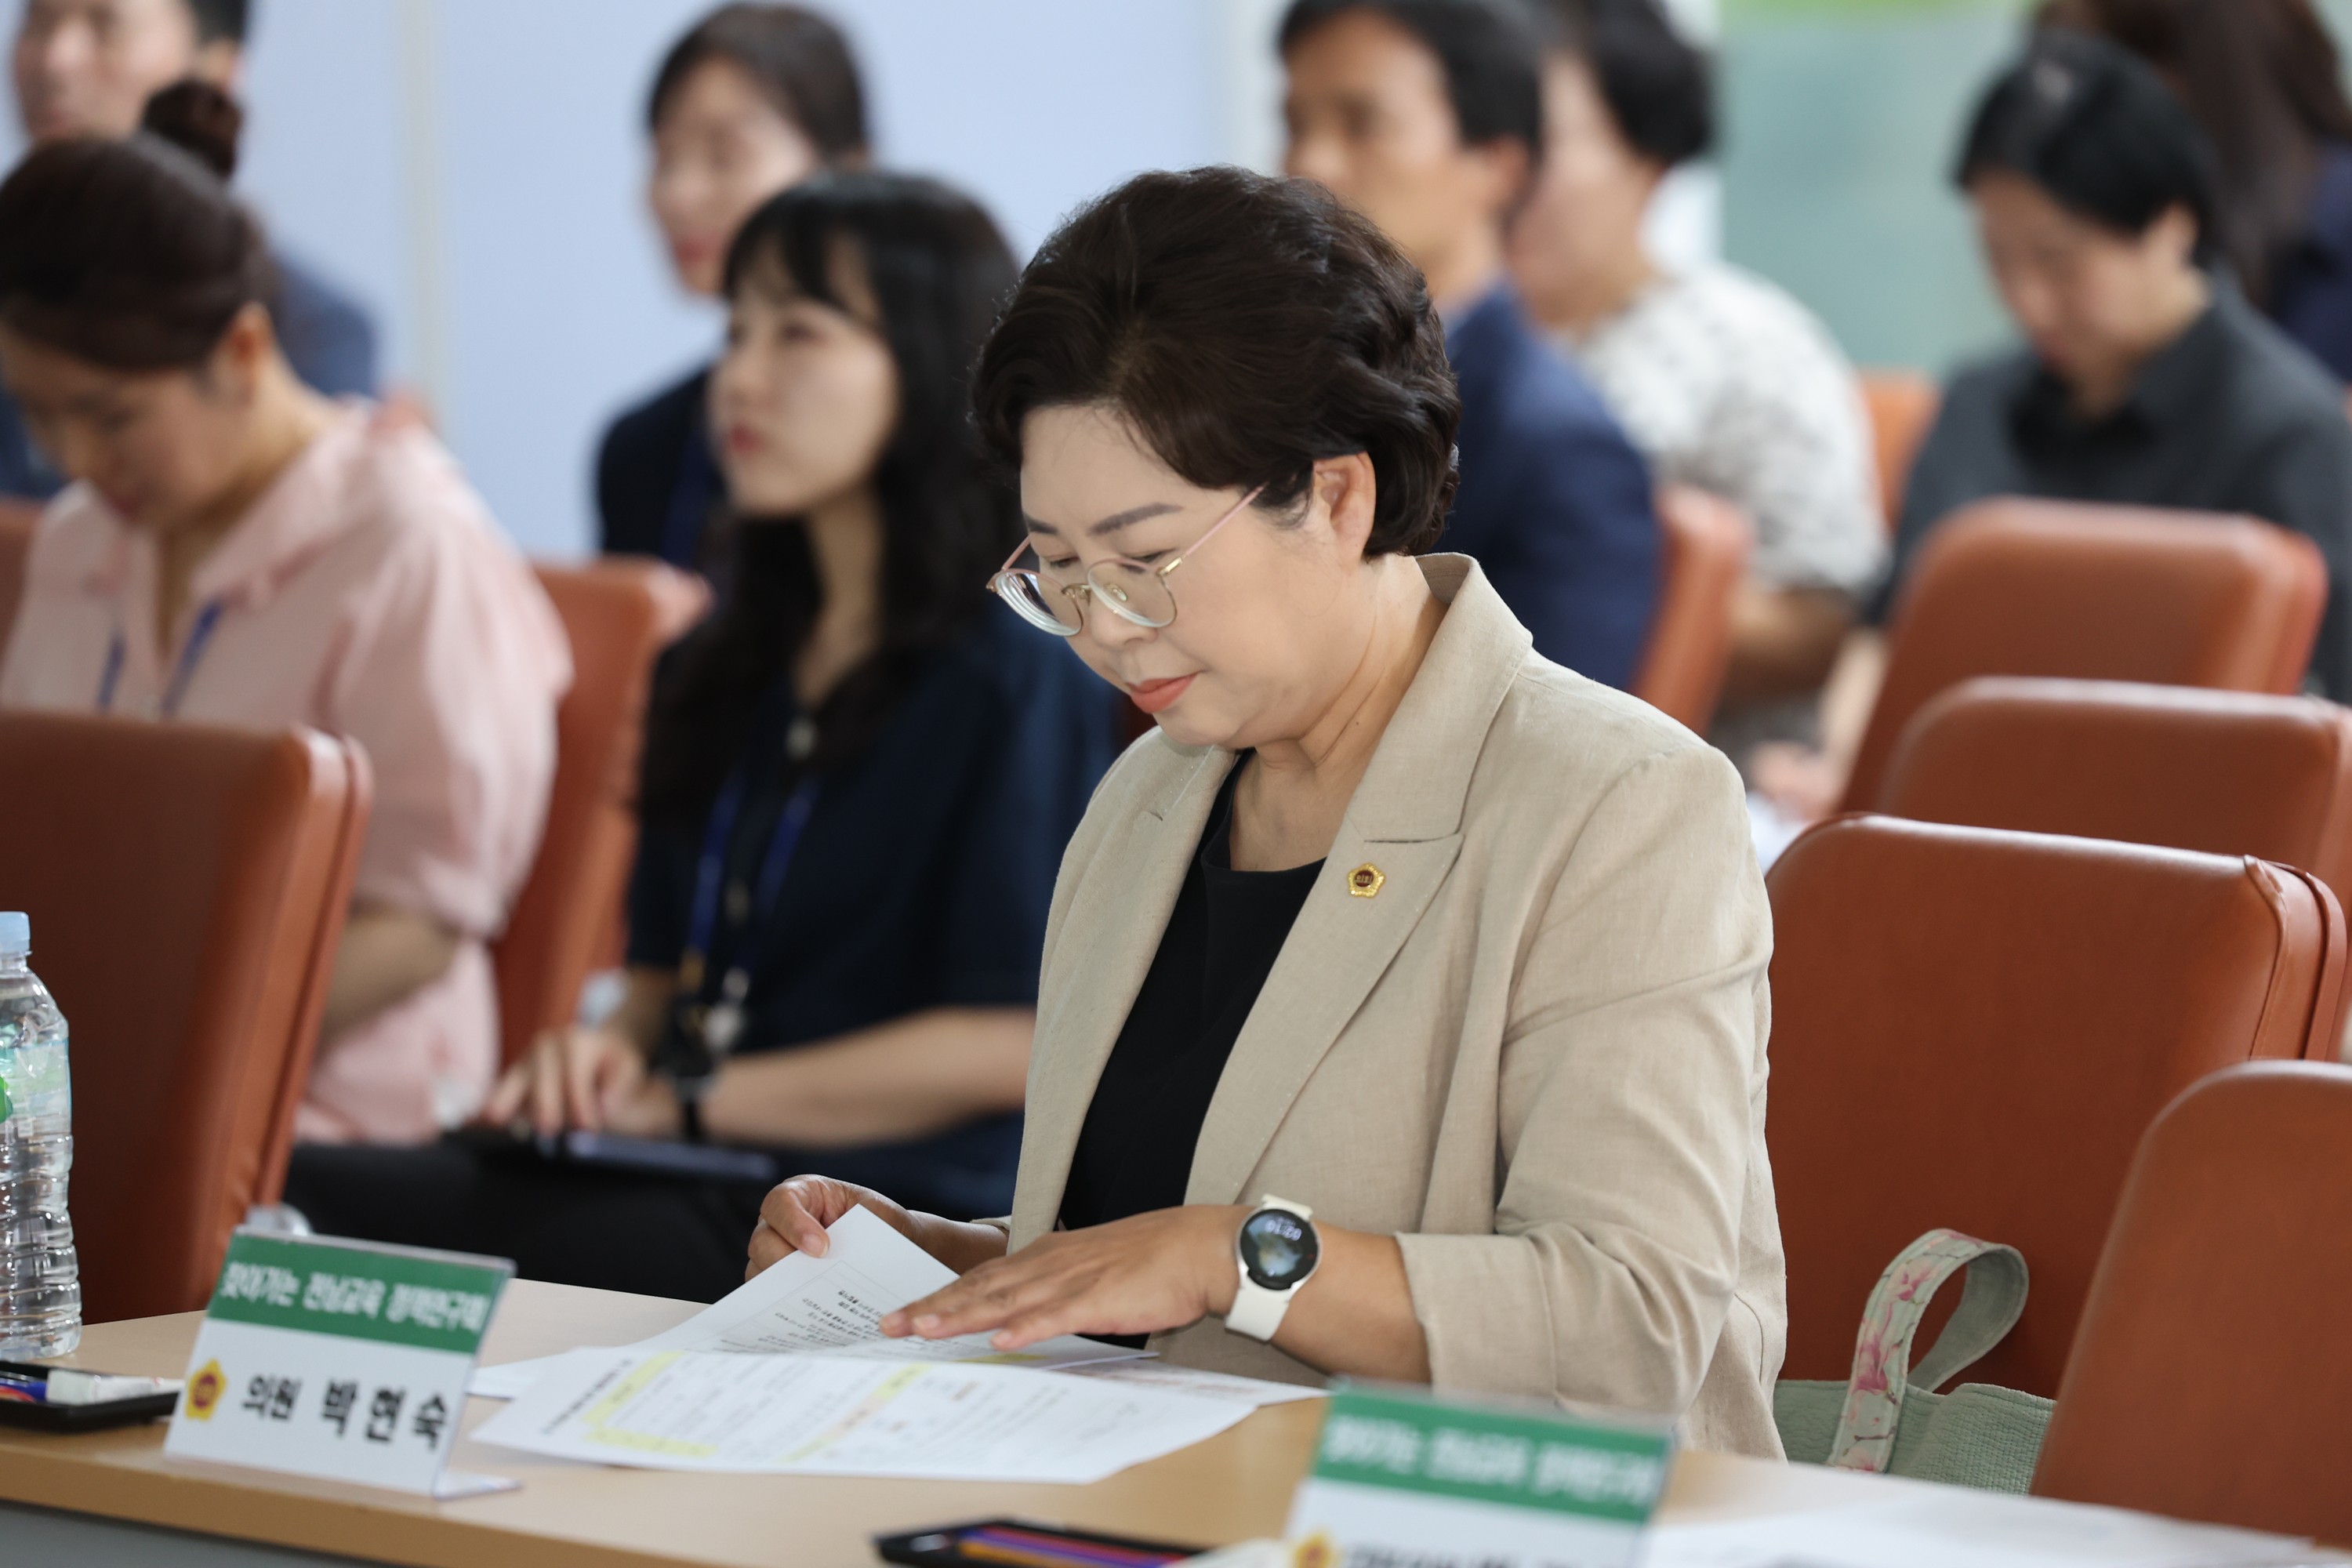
{"points": [[1888, 1418]]}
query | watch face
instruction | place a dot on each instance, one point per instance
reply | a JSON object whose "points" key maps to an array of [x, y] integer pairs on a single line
{"points": [[1278, 1248]]}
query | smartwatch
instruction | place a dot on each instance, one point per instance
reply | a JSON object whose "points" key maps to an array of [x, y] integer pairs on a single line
{"points": [[1277, 1250]]}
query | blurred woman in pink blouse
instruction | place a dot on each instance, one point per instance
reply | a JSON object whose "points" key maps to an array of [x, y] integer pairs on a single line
{"points": [[238, 550]]}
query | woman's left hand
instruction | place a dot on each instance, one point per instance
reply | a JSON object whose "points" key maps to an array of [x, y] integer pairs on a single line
{"points": [[1138, 1276]]}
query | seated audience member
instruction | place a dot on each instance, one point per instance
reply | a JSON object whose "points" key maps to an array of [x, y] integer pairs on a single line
{"points": [[1426, 116], [237, 548], [752, 100], [860, 774], [2145, 380], [1459, 950], [87, 67], [1722, 380], [2264, 78]]}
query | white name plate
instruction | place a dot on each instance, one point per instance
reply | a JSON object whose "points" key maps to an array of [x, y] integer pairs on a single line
{"points": [[1401, 1478], [339, 1360]]}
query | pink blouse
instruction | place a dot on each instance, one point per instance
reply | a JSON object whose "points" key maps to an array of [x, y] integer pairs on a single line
{"points": [[367, 593]]}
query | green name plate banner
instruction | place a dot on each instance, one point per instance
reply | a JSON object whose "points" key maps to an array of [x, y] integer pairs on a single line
{"points": [[1402, 1476], [337, 1358]]}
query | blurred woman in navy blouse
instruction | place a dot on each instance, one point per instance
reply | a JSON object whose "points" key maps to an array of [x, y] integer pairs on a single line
{"points": [[860, 776]]}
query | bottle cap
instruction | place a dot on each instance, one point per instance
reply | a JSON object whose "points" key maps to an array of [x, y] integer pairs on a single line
{"points": [[16, 935]]}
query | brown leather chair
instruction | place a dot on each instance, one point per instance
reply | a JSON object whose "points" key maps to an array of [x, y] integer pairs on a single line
{"points": [[2213, 1372], [1901, 406], [619, 614], [1707, 540], [187, 887], [2227, 773], [1972, 1028], [16, 523], [2098, 593]]}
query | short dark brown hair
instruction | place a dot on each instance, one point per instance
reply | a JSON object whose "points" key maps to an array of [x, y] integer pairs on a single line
{"points": [[1490, 51], [1246, 326], [132, 254], [798, 59], [222, 21], [2095, 126], [1658, 87]]}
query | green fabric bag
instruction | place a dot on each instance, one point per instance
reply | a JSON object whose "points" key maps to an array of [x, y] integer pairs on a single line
{"points": [[1887, 1418]]}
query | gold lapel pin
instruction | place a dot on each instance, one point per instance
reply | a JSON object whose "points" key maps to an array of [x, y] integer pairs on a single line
{"points": [[1366, 881]]}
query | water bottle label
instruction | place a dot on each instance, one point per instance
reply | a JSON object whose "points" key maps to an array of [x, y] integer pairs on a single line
{"points": [[34, 1082]]}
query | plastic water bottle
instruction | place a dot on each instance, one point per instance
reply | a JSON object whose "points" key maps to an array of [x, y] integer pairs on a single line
{"points": [[40, 1280]]}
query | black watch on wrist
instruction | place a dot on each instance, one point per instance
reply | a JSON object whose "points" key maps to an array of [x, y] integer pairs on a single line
{"points": [[683, 1058], [690, 1092]]}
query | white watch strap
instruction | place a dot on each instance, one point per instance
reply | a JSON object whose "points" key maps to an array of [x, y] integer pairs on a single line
{"points": [[1257, 1311]]}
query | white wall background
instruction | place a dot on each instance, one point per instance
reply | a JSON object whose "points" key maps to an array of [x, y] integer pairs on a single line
{"points": [[470, 170]]}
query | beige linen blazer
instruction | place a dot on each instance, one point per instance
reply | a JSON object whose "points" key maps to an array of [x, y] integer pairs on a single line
{"points": [[1534, 1055]]}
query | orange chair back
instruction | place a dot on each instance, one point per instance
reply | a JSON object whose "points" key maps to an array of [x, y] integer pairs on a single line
{"points": [[1902, 407], [2213, 1372], [2227, 773], [17, 522], [187, 887], [1707, 540], [1972, 1028], [2097, 593], [615, 613]]}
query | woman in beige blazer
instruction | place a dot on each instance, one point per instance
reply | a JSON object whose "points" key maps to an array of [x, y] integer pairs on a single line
{"points": [[1390, 917]]}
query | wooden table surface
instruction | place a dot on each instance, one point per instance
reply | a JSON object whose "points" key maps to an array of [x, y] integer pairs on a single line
{"points": [[1235, 1486]]}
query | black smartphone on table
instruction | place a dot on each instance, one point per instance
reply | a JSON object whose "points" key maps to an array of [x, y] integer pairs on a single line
{"points": [[81, 1401], [1019, 1544], [612, 1152]]}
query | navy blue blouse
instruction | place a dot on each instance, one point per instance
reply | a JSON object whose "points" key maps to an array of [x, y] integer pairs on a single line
{"points": [[657, 482], [923, 879], [1555, 502]]}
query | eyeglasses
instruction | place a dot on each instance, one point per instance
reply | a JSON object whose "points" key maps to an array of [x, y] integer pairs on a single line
{"points": [[1128, 589]]}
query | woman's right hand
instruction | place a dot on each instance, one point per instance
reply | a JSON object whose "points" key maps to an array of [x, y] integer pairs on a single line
{"points": [[795, 1214], [573, 1078]]}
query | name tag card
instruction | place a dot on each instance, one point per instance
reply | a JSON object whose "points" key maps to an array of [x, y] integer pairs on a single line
{"points": [[339, 1360], [1403, 1478]]}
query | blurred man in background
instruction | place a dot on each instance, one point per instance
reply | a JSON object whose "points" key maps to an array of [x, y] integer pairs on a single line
{"points": [[87, 67], [1426, 116]]}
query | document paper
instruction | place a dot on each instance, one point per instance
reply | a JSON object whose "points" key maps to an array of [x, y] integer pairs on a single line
{"points": [[844, 1416], [1252, 1392], [833, 1304]]}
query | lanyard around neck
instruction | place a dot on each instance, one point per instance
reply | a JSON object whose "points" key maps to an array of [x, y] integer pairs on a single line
{"points": [[748, 909], [184, 670]]}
